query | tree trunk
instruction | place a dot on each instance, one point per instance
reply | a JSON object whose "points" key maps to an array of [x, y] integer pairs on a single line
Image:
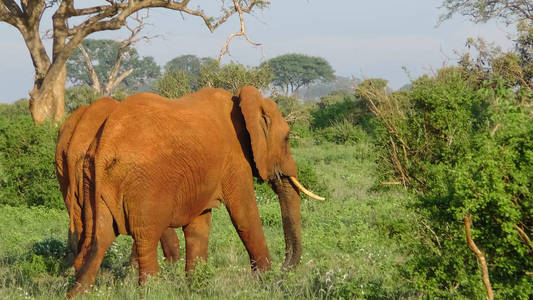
{"points": [[47, 99]]}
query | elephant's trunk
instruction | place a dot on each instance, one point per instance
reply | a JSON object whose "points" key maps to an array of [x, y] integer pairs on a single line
{"points": [[289, 200]]}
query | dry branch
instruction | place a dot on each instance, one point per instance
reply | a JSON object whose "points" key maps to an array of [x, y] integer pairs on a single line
{"points": [[480, 257], [225, 48], [524, 236]]}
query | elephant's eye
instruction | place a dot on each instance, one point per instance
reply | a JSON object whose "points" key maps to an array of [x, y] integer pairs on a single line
{"points": [[287, 138]]}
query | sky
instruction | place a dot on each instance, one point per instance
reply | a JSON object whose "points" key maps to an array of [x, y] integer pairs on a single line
{"points": [[394, 40]]}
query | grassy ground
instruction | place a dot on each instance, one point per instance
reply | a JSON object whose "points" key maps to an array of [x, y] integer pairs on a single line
{"points": [[355, 244]]}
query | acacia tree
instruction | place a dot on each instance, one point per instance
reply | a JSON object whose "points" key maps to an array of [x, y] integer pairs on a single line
{"points": [[510, 11], [70, 25], [293, 71]]}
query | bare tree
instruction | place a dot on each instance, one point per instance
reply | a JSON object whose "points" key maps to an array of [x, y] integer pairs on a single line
{"points": [[113, 78], [47, 95]]}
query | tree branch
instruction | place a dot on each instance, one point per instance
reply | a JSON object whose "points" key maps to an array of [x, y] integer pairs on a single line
{"points": [[92, 73], [9, 17], [225, 48], [13, 8], [112, 84], [480, 257], [524, 236]]}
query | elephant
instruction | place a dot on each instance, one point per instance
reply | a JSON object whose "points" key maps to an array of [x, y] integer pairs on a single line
{"points": [[74, 138], [160, 163]]}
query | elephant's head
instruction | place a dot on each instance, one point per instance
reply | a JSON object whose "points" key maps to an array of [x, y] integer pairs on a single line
{"points": [[273, 162]]}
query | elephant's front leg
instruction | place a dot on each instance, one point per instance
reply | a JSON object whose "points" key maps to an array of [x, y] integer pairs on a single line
{"points": [[242, 208], [197, 239]]}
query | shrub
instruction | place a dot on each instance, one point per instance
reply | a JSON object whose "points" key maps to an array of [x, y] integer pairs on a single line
{"points": [[46, 257], [233, 76], [341, 132], [466, 148], [339, 110], [77, 96], [17, 108], [173, 84], [337, 106], [27, 172]]}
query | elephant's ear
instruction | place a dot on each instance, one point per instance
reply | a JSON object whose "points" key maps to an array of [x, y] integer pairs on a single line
{"points": [[258, 125]]}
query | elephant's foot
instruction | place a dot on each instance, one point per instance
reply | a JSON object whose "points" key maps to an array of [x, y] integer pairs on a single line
{"points": [[79, 289]]}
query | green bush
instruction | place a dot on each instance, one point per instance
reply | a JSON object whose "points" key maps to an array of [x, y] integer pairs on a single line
{"points": [[233, 76], [342, 117], [45, 257], [337, 106], [27, 172], [466, 148], [173, 84], [17, 108], [77, 96], [341, 132]]}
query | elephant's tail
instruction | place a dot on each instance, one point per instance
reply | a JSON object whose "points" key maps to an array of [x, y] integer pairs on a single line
{"points": [[75, 187], [107, 194]]}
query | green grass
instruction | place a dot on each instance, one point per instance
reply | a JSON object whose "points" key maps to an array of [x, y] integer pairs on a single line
{"points": [[355, 244]]}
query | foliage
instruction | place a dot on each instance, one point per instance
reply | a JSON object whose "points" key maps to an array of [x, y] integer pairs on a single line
{"points": [[341, 132], [510, 11], [45, 257], [192, 66], [173, 84], [317, 90], [514, 68], [334, 107], [17, 108], [287, 105], [465, 146], [293, 71], [27, 172], [233, 76], [103, 54], [340, 108], [78, 96]]}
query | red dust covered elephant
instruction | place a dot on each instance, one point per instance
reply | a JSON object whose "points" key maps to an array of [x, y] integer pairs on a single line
{"points": [[160, 163], [75, 136]]}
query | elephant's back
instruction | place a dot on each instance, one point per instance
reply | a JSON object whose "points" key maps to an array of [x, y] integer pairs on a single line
{"points": [[65, 135], [89, 124]]}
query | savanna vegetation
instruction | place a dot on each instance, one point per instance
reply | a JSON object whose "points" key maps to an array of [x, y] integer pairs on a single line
{"points": [[428, 189]]}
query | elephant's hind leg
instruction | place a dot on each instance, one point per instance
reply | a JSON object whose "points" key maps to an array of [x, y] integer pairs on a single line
{"points": [[171, 245], [102, 239], [196, 239]]}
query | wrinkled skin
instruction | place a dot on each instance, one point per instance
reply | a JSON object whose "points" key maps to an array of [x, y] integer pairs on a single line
{"points": [[75, 136], [162, 163]]}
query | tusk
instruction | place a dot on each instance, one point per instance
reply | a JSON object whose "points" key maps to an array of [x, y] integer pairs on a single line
{"points": [[304, 190]]}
